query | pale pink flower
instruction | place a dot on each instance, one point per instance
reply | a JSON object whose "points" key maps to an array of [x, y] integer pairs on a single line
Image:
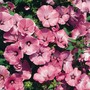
{"points": [[26, 26], [13, 54], [26, 70], [42, 56], [83, 82], [67, 66], [55, 56], [4, 73], [16, 18], [85, 56], [27, 8], [83, 5], [14, 82], [45, 73], [78, 31], [51, 2], [29, 45], [61, 76], [63, 19], [61, 38], [87, 39], [6, 23], [11, 6], [76, 17], [12, 36], [47, 15], [3, 9], [63, 14], [67, 59], [45, 36], [56, 60], [62, 86], [72, 77], [1, 1], [18, 66]]}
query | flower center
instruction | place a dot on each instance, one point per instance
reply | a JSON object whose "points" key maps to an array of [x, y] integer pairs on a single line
{"points": [[12, 82], [46, 17], [15, 53], [25, 29], [73, 76], [28, 43], [1, 22], [1, 77], [40, 53]]}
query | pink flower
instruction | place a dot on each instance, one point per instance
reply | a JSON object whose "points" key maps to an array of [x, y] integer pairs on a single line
{"points": [[6, 23], [60, 76], [42, 56], [72, 77], [51, 2], [76, 17], [87, 39], [82, 5], [67, 59], [83, 82], [13, 36], [61, 38], [45, 73], [62, 86], [9, 37], [45, 36], [47, 15], [13, 54], [63, 14], [16, 18], [11, 6], [26, 26], [26, 71], [1, 1], [80, 30], [27, 8], [4, 73], [14, 82], [29, 45], [85, 56], [18, 66], [3, 9]]}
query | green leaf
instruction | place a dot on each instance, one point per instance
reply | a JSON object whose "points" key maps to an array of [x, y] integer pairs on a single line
{"points": [[28, 85], [51, 86], [72, 40], [88, 18], [29, 16], [70, 46], [11, 12], [2, 61], [17, 1], [1, 53], [66, 30]]}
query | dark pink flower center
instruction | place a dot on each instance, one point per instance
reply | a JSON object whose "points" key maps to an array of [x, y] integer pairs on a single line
{"points": [[1, 77], [15, 53], [73, 76], [46, 17], [1, 22], [25, 29], [28, 43], [12, 81], [40, 53]]}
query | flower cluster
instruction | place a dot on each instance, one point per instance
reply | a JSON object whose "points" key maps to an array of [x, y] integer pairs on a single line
{"points": [[47, 47]]}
